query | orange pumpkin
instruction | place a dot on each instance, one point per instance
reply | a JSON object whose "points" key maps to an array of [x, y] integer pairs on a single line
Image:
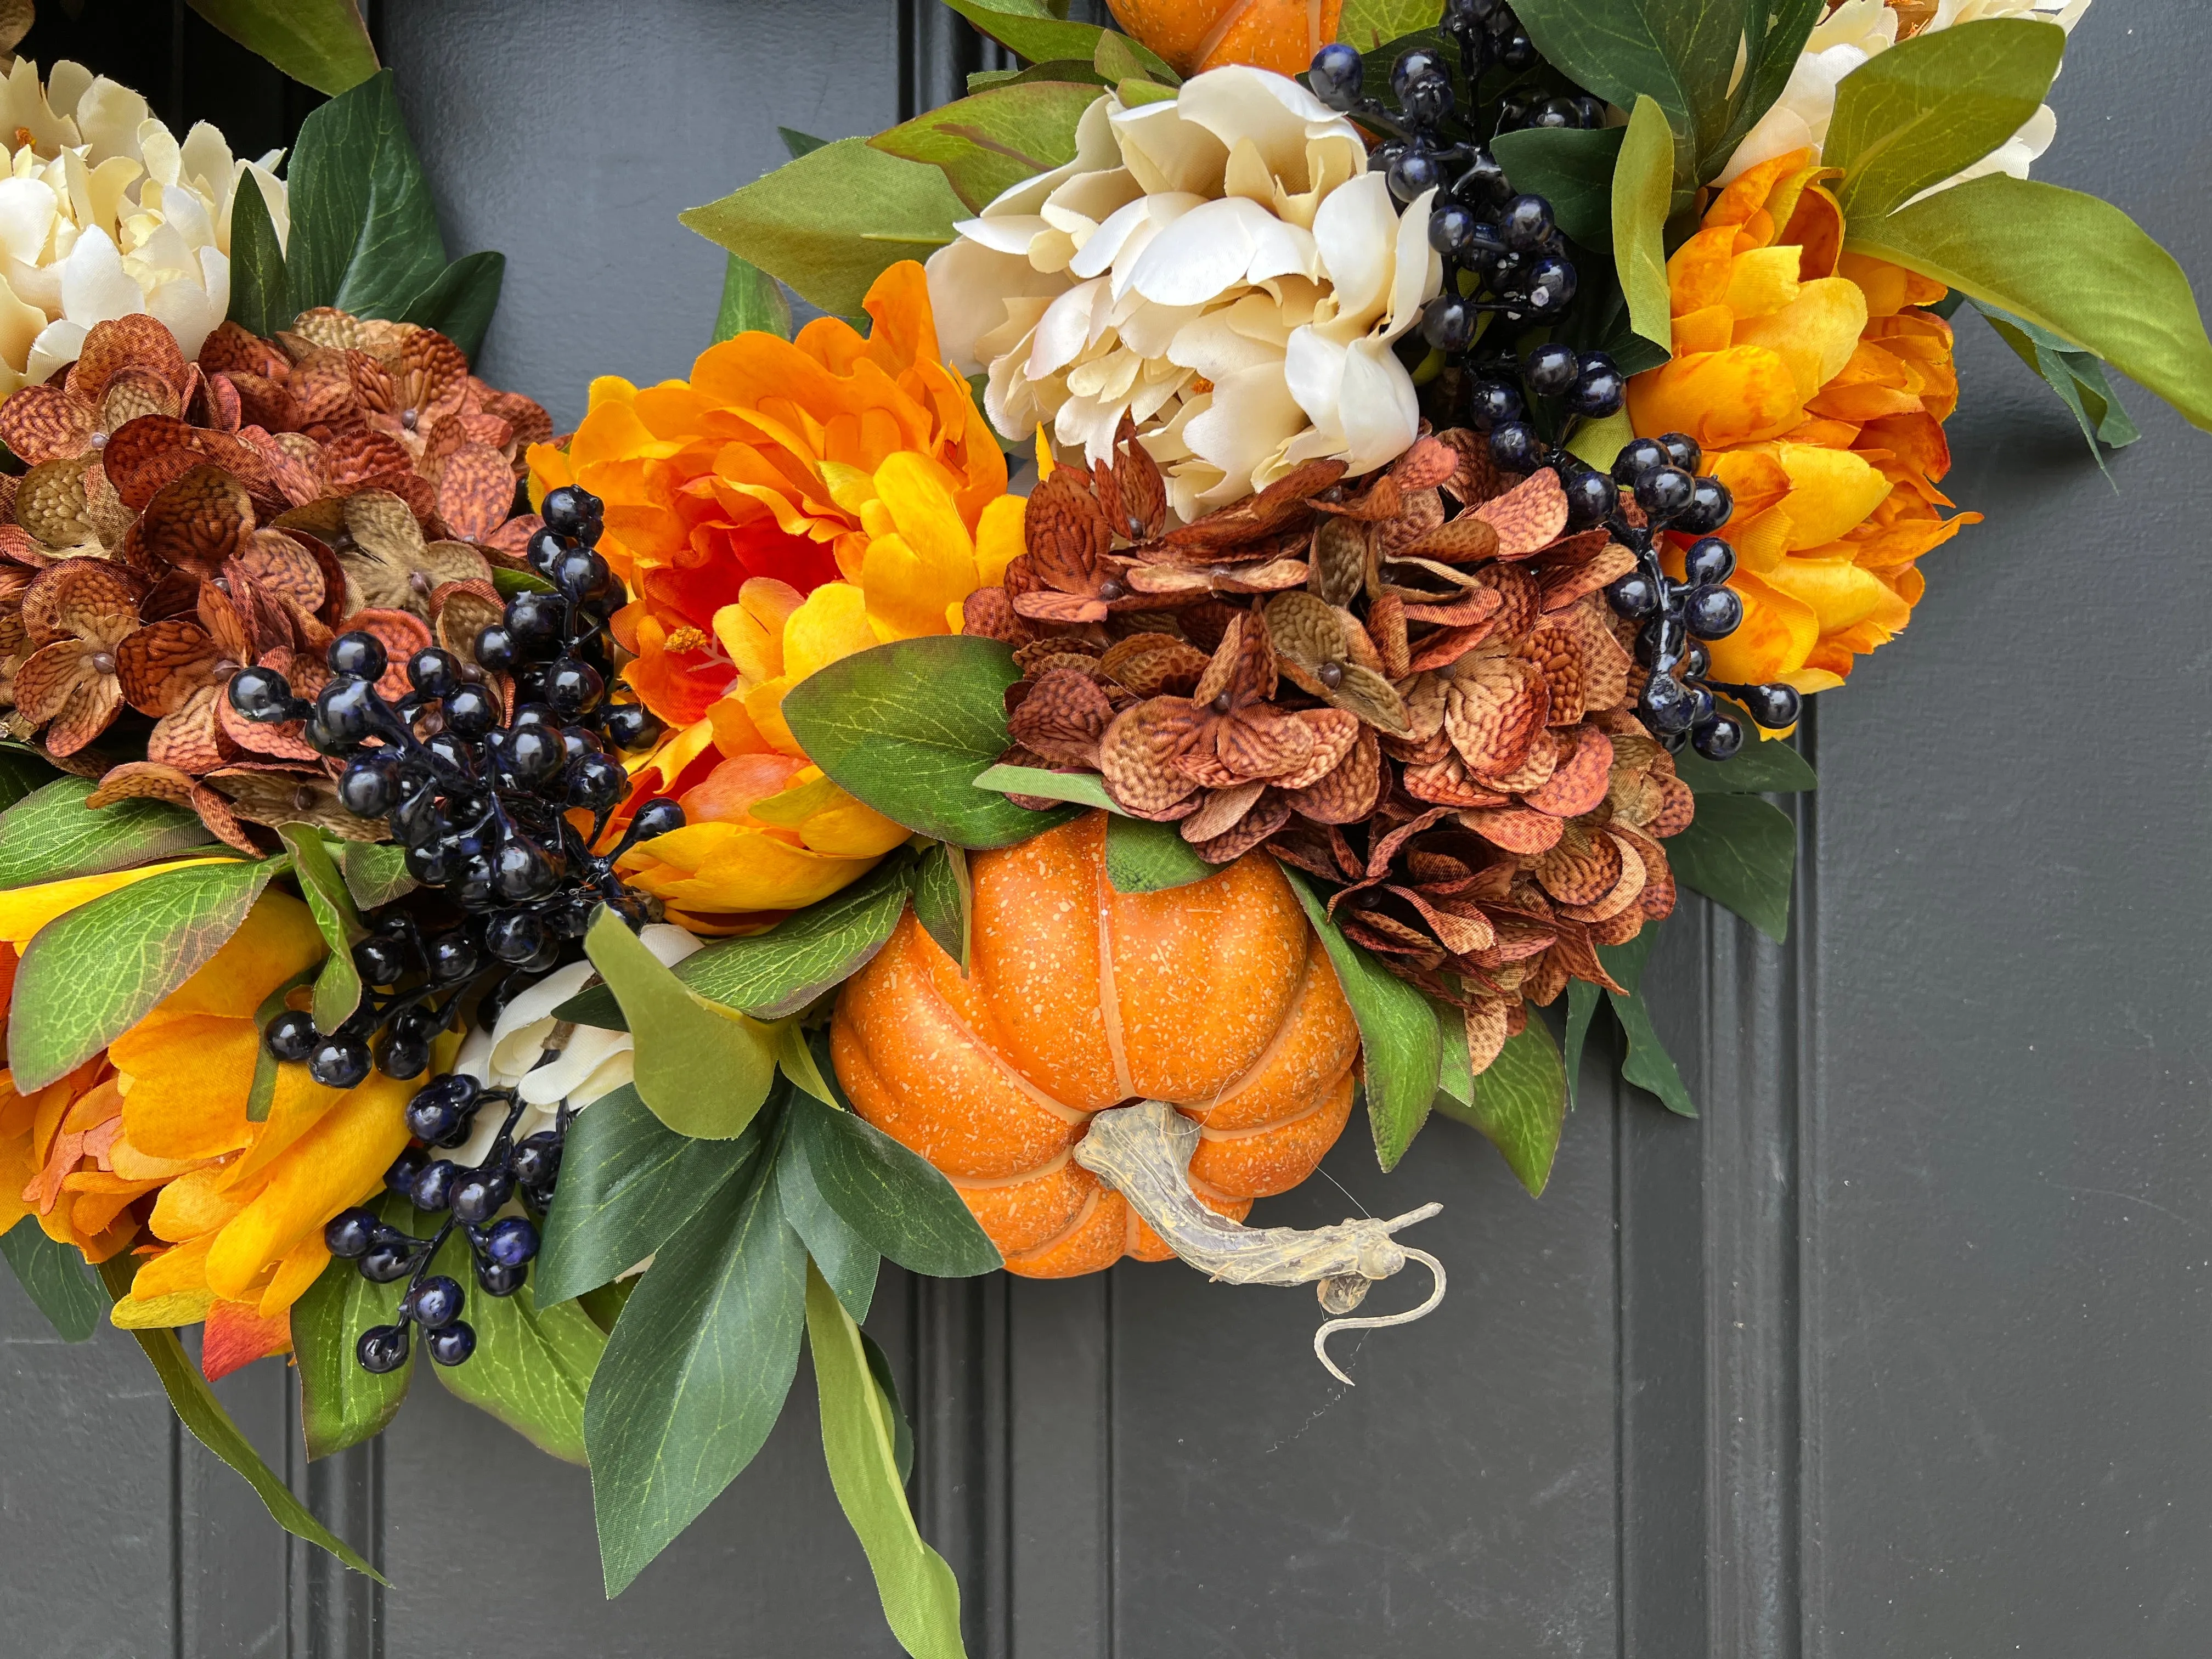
{"points": [[1216, 998], [1282, 35]]}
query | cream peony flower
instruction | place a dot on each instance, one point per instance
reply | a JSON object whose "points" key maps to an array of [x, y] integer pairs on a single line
{"points": [[1855, 32], [1220, 268], [104, 213]]}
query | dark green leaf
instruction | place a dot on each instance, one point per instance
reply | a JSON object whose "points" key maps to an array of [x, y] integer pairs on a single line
{"points": [[920, 1597], [92, 972], [376, 874], [1143, 857], [843, 1257], [1366, 24], [908, 727], [342, 1405], [2064, 262], [1626, 962], [703, 1070], [1643, 197], [1028, 27], [364, 234], [1680, 53], [1401, 1049], [51, 834], [2075, 376], [896, 1200], [1767, 767], [512, 582], [752, 302], [23, 772], [1520, 1100], [1741, 852], [337, 987], [1078, 788], [321, 43], [797, 143], [1572, 170], [695, 1373], [1583, 998], [834, 220], [1771, 55], [261, 1094], [461, 300], [880, 1367], [54, 1276], [1647, 1063], [534, 1361], [944, 901], [260, 303], [990, 142], [1933, 106], [627, 1184]]}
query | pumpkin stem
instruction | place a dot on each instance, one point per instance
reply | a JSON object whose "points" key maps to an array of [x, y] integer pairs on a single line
{"points": [[1142, 1151]]}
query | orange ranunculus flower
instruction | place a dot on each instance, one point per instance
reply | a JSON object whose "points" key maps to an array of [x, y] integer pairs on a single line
{"points": [[1818, 389], [148, 1144]]}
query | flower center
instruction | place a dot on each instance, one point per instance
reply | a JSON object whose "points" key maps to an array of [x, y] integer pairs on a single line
{"points": [[1109, 590], [420, 581], [1220, 704], [409, 419], [302, 798], [100, 440], [103, 662], [1331, 675]]}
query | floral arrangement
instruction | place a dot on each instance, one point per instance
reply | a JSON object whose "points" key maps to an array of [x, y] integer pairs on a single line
{"points": [[1347, 515]]}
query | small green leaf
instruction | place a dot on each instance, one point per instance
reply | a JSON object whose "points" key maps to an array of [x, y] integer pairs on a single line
{"points": [[1078, 788], [796, 1061], [1681, 54], [54, 1276], [2075, 376], [23, 772], [1143, 857], [51, 834], [534, 1361], [845, 1259], [1647, 1063], [1366, 24], [945, 901], [1519, 1101], [1741, 852], [364, 234], [990, 142], [259, 301], [512, 582], [461, 300], [1572, 169], [1121, 61], [261, 1094], [1060, 68], [920, 1596], [1643, 197], [908, 727], [627, 1184], [831, 221], [1402, 1049], [91, 974], [1583, 998], [320, 43], [1599, 442], [880, 1367], [337, 989], [752, 302], [1768, 767], [342, 1405], [376, 874], [896, 1200], [695, 1373], [797, 143], [1028, 28], [703, 1070]]}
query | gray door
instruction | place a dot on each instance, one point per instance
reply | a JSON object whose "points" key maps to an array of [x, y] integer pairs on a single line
{"points": [[1901, 1351]]}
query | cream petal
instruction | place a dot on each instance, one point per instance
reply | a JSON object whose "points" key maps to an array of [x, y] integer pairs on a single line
{"points": [[524, 1023], [1149, 328], [188, 213], [1356, 231], [1166, 154], [273, 196], [1274, 114], [475, 1057], [1010, 235], [204, 162], [1095, 152], [1418, 272], [1215, 346], [970, 284], [59, 344], [1378, 411], [95, 289], [193, 308], [1203, 253], [1064, 330], [587, 1048], [108, 116], [1086, 424], [1251, 416], [27, 207]]}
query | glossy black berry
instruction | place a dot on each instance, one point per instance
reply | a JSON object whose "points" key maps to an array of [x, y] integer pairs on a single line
{"points": [[338, 1062], [580, 573], [347, 710], [290, 1035], [1451, 228], [261, 694], [515, 936], [349, 1234], [434, 1187], [450, 957], [1710, 503], [379, 961], [479, 1194], [1718, 738], [535, 618], [1490, 402], [1598, 394], [1703, 708], [1682, 450], [511, 1243], [1664, 491], [567, 509], [388, 1259], [1591, 499], [1525, 223], [497, 649], [1697, 662], [495, 1280], [1714, 613], [522, 870], [400, 1178], [1336, 74], [1412, 173], [536, 1158], [1415, 64], [1514, 447], [369, 787], [435, 672], [596, 782], [1552, 283], [437, 1110], [661, 817], [1550, 369], [382, 1348], [1661, 642], [1709, 562], [357, 653], [1633, 595], [1667, 704], [1516, 51], [452, 1344], [1638, 457], [1448, 323], [629, 726], [433, 1302], [573, 686]]}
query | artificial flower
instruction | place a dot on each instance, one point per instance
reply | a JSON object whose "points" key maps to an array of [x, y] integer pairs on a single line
{"points": [[1858, 30], [1817, 387], [1222, 268]]}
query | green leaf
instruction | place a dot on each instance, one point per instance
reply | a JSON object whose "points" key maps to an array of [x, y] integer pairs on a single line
{"points": [[626, 1184], [1143, 857], [752, 302], [199, 1411], [898, 1204], [1767, 767], [2066, 263], [880, 1367], [797, 143], [945, 901], [920, 1597], [1647, 1063], [92, 972], [337, 987], [1678, 53], [796, 1059], [320, 43], [1520, 1102], [512, 582], [605, 1302], [23, 772], [695, 1373], [907, 727], [990, 142], [51, 834], [1124, 62], [831, 221], [364, 234], [461, 300], [342, 1405], [1771, 56], [260, 302], [1078, 788], [703, 1070], [1583, 998], [1933, 106], [54, 1276], [1060, 68], [849, 1262], [1626, 962], [1741, 852], [533, 1360], [1599, 442], [1028, 27], [261, 1093], [1572, 170], [1366, 24], [1402, 1049], [1643, 195], [2075, 376], [376, 874]]}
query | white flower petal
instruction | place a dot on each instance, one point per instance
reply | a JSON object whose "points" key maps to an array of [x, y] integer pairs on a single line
{"points": [[1273, 113], [95, 289], [1065, 329], [27, 207], [59, 344], [1203, 253], [969, 286], [1356, 231]]}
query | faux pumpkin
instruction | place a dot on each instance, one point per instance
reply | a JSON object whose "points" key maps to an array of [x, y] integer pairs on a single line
{"points": [[1216, 998], [1282, 35]]}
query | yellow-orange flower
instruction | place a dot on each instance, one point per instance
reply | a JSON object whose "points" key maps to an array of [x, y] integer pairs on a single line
{"points": [[1818, 388], [149, 1144]]}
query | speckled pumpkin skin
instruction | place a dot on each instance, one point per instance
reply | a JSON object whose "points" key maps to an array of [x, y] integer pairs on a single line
{"points": [[1216, 998], [1192, 35]]}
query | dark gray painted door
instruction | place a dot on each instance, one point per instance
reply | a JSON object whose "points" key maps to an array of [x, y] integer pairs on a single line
{"points": [[1900, 1352]]}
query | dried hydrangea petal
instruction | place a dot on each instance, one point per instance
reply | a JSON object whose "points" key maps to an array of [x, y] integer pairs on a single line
{"points": [[1340, 561], [141, 780], [475, 488], [1445, 782], [1349, 790], [1529, 517], [1066, 533], [1494, 707], [1271, 814], [1063, 718], [1152, 665], [1563, 587], [1515, 829], [1582, 867], [1137, 755], [1578, 782]]}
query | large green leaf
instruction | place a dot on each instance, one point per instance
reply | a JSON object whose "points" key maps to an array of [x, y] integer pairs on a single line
{"points": [[1934, 106], [1571, 169], [945, 901], [1741, 852], [1058, 69], [990, 142], [323, 43], [337, 987], [342, 1405], [2064, 262], [1143, 857], [1643, 197], [2075, 376], [627, 1184], [831, 221], [92, 972], [1774, 36], [51, 834], [1681, 54], [461, 300], [920, 1596], [908, 727], [1402, 1049], [896, 1200], [54, 1276], [364, 234], [1767, 767], [695, 1373], [260, 301], [704, 1071], [849, 1262], [1366, 24], [880, 1367], [1029, 27], [752, 302], [1519, 1102], [534, 1361]]}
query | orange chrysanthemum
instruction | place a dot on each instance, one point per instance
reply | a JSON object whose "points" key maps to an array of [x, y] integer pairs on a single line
{"points": [[1817, 387]]}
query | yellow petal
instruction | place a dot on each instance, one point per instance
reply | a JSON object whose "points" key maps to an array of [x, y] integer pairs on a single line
{"points": [[160, 1312], [1762, 281], [732, 866], [1776, 635], [190, 1075], [196, 1205], [1720, 398], [1839, 594], [183, 1268], [832, 624], [911, 575], [999, 540], [277, 940], [1832, 492], [1815, 333], [298, 1269], [27, 909]]}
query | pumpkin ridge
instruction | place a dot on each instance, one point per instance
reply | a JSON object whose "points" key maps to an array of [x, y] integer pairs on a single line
{"points": [[1281, 1123], [1072, 1115], [1082, 1219], [990, 1184], [1258, 1064], [1109, 998], [1231, 16]]}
